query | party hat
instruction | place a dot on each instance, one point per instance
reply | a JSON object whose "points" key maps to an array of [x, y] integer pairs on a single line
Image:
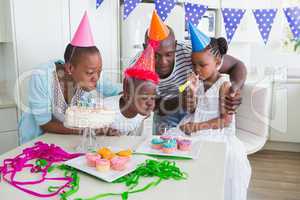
{"points": [[144, 67], [199, 40], [158, 30], [83, 36]]}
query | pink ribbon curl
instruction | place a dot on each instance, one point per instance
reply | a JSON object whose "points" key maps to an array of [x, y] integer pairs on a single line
{"points": [[50, 153]]}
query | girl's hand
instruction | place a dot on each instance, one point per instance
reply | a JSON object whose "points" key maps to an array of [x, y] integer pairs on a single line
{"points": [[189, 100], [190, 93], [187, 128], [194, 82]]}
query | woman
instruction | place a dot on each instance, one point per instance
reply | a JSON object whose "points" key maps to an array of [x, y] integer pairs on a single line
{"points": [[56, 84]]}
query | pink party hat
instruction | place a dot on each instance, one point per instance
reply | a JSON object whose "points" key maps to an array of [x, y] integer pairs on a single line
{"points": [[83, 36]]}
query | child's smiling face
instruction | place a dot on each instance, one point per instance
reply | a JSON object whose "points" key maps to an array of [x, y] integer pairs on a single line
{"points": [[204, 64]]}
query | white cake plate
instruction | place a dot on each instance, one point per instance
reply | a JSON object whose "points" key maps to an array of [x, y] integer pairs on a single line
{"points": [[88, 141]]}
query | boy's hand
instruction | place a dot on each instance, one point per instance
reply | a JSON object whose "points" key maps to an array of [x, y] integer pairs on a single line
{"points": [[108, 131]]}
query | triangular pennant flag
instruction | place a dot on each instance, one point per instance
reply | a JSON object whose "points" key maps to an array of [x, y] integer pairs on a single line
{"points": [[164, 7], [158, 30], [83, 36], [293, 17], [194, 12], [232, 18], [144, 67], [199, 40], [129, 6], [98, 3], [264, 19]]}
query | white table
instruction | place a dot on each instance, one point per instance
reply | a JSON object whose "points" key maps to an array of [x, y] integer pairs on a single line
{"points": [[206, 175]]}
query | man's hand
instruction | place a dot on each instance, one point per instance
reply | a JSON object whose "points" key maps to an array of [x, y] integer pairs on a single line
{"points": [[233, 100]]}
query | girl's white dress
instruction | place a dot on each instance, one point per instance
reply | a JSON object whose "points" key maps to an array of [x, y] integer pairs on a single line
{"points": [[237, 167]]}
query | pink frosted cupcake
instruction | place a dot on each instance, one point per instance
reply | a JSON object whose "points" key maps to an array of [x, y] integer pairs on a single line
{"points": [[91, 159], [102, 165], [119, 163], [184, 145]]}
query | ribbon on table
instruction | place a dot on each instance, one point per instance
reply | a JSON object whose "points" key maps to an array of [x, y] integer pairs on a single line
{"points": [[45, 156], [164, 170], [68, 172]]}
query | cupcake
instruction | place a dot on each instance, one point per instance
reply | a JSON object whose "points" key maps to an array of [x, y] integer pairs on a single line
{"points": [[102, 165], [156, 143], [125, 153], [119, 163], [169, 146], [184, 145], [106, 153], [91, 159]]}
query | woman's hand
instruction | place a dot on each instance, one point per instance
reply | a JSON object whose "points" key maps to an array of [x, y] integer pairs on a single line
{"points": [[107, 131]]}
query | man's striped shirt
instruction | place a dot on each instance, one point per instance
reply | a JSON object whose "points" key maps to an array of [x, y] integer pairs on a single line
{"points": [[168, 87]]}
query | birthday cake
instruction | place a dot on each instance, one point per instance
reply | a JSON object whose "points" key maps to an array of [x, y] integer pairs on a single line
{"points": [[81, 117], [88, 113]]}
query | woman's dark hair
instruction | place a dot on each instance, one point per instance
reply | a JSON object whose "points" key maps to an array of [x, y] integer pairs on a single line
{"points": [[218, 46], [72, 53]]}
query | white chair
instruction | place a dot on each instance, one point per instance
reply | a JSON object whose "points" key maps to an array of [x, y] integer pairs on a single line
{"points": [[253, 116]]}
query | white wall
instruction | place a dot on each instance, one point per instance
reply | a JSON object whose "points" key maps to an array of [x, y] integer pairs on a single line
{"points": [[41, 31], [104, 24]]}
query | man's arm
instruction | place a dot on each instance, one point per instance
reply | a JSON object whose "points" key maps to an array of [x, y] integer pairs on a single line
{"points": [[236, 70]]}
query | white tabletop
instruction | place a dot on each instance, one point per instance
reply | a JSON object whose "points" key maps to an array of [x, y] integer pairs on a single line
{"points": [[205, 181]]}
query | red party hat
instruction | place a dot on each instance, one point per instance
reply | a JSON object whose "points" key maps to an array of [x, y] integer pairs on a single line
{"points": [[144, 67]]}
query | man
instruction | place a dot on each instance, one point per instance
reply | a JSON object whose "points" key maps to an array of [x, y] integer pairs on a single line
{"points": [[173, 64]]}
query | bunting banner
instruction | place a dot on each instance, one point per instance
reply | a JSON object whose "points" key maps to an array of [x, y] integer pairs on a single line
{"points": [[129, 6], [98, 3], [164, 7], [293, 17], [264, 19], [232, 18], [194, 12]]}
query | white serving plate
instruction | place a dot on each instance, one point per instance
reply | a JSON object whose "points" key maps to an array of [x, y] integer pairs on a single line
{"points": [[109, 176]]}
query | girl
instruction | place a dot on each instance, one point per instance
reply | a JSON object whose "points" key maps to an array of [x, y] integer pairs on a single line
{"points": [[209, 120]]}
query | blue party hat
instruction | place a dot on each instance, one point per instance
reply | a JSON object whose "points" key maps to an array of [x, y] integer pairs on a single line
{"points": [[199, 40]]}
